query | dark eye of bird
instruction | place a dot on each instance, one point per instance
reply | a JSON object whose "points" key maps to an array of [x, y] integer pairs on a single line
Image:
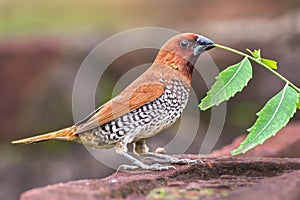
{"points": [[184, 44]]}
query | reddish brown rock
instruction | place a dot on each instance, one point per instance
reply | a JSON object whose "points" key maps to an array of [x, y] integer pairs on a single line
{"points": [[216, 178], [286, 143], [283, 187]]}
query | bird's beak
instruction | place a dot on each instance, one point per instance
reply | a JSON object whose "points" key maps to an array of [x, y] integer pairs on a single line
{"points": [[202, 44]]}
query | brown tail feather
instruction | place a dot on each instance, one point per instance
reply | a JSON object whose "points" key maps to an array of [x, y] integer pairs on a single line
{"points": [[65, 134]]}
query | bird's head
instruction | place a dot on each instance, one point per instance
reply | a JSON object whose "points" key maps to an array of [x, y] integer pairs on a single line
{"points": [[182, 51]]}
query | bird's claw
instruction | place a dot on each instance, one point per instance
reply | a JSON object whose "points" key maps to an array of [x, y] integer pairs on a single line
{"points": [[183, 161], [159, 167], [172, 160], [154, 167], [127, 167], [186, 161]]}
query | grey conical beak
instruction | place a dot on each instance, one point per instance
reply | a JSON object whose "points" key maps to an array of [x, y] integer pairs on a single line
{"points": [[202, 44]]}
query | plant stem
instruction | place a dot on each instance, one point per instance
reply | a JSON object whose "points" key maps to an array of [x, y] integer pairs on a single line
{"points": [[260, 63]]}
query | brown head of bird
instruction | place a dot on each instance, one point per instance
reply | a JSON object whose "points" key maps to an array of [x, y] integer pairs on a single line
{"points": [[182, 51]]}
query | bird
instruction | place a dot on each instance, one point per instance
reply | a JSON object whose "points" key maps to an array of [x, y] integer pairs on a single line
{"points": [[151, 103]]}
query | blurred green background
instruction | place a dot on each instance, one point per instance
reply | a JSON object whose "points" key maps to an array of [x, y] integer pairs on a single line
{"points": [[43, 43]]}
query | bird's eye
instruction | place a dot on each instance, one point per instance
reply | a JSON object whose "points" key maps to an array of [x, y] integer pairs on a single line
{"points": [[184, 44]]}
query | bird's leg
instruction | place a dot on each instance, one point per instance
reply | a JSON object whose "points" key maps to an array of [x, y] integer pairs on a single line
{"points": [[121, 149], [140, 148]]}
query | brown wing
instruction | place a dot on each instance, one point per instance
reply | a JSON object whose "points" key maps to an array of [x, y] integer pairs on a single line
{"points": [[125, 102]]}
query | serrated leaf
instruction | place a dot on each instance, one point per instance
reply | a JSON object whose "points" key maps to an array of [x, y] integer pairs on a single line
{"points": [[270, 63], [274, 116], [229, 82], [298, 105]]}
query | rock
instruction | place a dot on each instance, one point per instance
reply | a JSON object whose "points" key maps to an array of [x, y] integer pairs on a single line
{"points": [[215, 178], [286, 143], [268, 189]]}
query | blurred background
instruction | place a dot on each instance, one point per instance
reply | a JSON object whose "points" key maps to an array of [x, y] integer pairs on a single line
{"points": [[43, 43]]}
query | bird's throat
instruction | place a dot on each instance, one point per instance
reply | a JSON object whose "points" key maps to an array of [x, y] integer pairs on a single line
{"points": [[183, 66]]}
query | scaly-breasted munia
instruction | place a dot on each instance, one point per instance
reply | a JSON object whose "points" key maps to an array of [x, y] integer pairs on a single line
{"points": [[151, 103]]}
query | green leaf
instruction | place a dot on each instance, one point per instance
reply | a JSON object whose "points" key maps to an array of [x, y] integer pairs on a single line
{"points": [[270, 63], [298, 105], [255, 53], [229, 82], [274, 116]]}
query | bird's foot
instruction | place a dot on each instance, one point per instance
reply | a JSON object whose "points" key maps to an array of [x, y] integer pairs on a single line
{"points": [[161, 158], [153, 167], [138, 164], [127, 167], [182, 161], [171, 160]]}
